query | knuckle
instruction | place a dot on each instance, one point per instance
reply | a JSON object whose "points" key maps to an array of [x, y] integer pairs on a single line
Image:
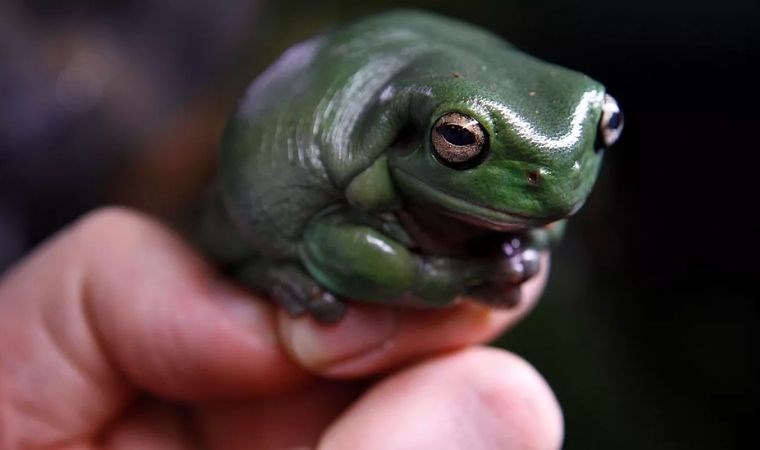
{"points": [[111, 217], [111, 224]]}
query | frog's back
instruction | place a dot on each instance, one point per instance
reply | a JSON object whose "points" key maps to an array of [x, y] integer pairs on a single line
{"points": [[288, 152]]}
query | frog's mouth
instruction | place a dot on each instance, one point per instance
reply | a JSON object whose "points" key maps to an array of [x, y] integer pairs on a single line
{"points": [[479, 215]]}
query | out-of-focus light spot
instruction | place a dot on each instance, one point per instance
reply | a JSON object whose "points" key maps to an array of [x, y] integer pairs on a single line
{"points": [[79, 86]]}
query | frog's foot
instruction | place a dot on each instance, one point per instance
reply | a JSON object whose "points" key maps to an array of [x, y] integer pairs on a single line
{"points": [[521, 262], [522, 253], [294, 290], [322, 305]]}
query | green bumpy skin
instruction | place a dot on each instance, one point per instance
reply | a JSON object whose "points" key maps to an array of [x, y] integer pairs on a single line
{"points": [[332, 184]]}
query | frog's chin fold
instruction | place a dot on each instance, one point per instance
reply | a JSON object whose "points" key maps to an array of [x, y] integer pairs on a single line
{"points": [[479, 215], [490, 224]]}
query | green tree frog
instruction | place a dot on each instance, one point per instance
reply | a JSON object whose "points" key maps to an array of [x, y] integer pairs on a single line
{"points": [[407, 159]]}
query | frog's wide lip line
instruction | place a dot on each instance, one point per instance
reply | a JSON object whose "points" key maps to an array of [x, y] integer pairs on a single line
{"points": [[477, 214]]}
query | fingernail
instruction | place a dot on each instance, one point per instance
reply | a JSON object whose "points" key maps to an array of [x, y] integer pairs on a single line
{"points": [[244, 310], [363, 330]]}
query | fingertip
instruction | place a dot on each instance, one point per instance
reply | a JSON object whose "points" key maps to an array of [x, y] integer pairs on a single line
{"points": [[364, 330], [512, 390], [476, 398]]}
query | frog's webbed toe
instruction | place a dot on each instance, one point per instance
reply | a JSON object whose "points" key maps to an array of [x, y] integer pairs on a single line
{"points": [[298, 294], [520, 262], [322, 305], [294, 290]]}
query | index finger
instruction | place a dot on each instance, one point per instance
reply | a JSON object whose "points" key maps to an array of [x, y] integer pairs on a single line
{"points": [[115, 305]]}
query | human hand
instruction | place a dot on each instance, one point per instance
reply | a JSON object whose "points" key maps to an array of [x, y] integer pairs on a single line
{"points": [[115, 334]]}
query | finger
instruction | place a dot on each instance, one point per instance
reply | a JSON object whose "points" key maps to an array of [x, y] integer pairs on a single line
{"points": [[372, 338], [118, 303], [477, 398], [294, 420], [148, 425], [291, 420]]}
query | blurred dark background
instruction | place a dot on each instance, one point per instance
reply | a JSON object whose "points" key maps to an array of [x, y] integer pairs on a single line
{"points": [[648, 325]]}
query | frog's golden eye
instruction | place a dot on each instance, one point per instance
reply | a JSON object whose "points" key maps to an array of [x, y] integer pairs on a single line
{"points": [[459, 141], [611, 123]]}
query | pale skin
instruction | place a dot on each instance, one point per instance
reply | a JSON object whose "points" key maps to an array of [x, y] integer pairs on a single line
{"points": [[115, 334]]}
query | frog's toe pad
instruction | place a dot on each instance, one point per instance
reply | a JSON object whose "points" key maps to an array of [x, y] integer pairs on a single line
{"points": [[326, 308], [531, 262], [520, 266], [288, 300]]}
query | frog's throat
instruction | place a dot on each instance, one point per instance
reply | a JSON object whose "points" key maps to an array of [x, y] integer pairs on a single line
{"points": [[480, 215]]}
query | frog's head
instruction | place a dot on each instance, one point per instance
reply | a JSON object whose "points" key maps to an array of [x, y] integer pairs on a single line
{"points": [[506, 145]]}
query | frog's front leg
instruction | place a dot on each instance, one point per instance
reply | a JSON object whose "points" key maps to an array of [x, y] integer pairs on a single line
{"points": [[354, 259]]}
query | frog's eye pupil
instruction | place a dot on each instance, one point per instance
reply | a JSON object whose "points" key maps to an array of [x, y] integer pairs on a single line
{"points": [[615, 121], [611, 122], [456, 135], [459, 141]]}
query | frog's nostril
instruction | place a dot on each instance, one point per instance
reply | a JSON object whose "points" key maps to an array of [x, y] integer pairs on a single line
{"points": [[534, 177]]}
